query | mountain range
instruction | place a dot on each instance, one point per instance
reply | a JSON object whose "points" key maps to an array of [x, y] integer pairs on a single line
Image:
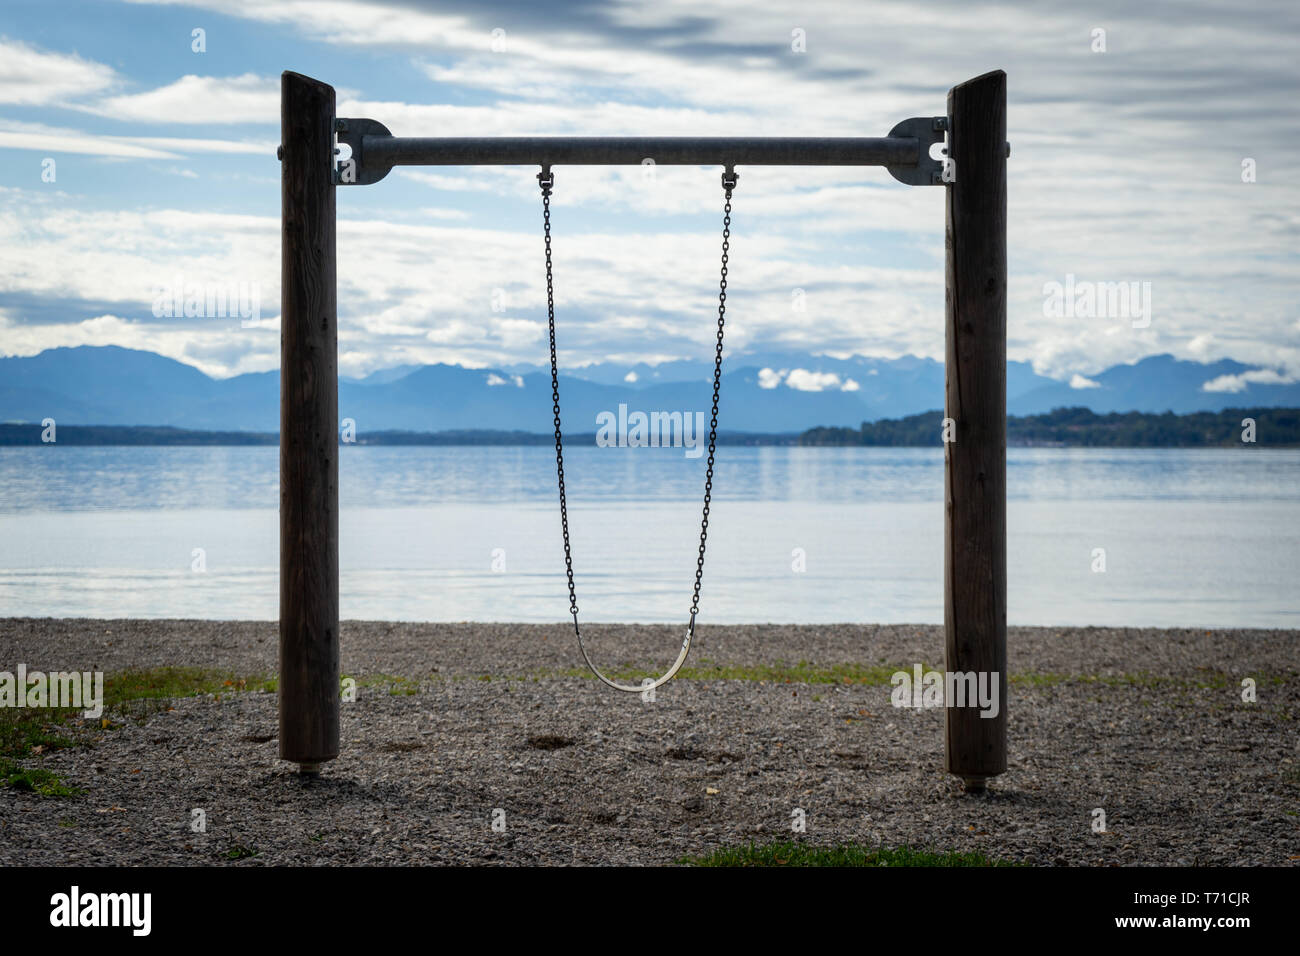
{"points": [[766, 392]]}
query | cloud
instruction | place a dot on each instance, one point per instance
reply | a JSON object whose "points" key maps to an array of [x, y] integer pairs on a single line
{"points": [[75, 261], [54, 139], [1239, 383], [516, 333], [32, 77], [203, 100], [429, 212], [1197, 91], [34, 136], [223, 349], [195, 146], [803, 380], [1079, 381]]}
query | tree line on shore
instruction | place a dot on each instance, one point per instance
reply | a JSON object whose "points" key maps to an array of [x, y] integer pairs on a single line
{"points": [[1061, 427], [1085, 428]]}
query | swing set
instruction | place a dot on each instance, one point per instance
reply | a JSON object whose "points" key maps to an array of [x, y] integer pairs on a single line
{"points": [[320, 152]]}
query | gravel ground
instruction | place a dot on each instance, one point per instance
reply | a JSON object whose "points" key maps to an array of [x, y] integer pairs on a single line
{"points": [[1186, 773]]}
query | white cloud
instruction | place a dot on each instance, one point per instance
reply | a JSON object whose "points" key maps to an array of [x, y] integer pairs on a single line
{"points": [[1079, 381], [517, 333], [1238, 383], [15, 135], [630, 377], [31, 77], [223, 349], [200, 99], [430, 212], [767, 378], [60, 253], [55, 139], [1082, 199], [802, 380], [195, 146]]}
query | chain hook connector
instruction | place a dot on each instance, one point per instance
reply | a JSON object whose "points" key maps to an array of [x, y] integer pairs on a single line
{"points": [[729, 178], [546, 178]]}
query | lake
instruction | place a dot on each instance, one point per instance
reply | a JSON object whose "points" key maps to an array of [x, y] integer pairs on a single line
{"points": [[1191, 537]]}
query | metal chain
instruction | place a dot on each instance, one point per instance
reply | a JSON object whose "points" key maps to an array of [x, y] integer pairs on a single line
{"points": [[729, 180], [546, 179]]}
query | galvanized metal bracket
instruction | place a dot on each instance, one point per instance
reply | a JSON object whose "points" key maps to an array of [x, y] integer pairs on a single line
{"points": [[927, 130], [350, 166]]}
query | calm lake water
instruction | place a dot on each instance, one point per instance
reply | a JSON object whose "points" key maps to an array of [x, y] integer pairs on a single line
{"points": [[1191, 537]]}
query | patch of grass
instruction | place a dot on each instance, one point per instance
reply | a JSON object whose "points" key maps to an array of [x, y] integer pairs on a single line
{"points": [[35, 780], [30, 733], [168, 683], [33, 732], [1210, 680], [395, 684], [780, 673], [139, 694], [1052, 679], [800, 854], [24, 731], [880, 675], [240, 852]]}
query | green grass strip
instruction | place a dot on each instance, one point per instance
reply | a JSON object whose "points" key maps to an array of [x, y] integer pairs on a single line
{"points": [[802, 854]]}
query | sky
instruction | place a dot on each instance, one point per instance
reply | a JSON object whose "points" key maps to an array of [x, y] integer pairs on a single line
{"points": [[1152, 143]]}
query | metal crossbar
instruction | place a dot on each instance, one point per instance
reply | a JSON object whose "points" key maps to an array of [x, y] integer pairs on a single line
{"points": [[367, 151]]}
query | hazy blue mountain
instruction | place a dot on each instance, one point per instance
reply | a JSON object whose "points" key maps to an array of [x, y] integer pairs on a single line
{"points": [[124, 386], [383, 376], [1158, 383], [763, 391]]}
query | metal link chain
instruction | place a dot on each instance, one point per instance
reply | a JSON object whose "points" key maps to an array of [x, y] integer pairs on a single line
{"points": [[729, 180], [546, 179]]}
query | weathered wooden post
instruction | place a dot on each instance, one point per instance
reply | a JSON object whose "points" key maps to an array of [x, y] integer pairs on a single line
{"points": [[309, 473], [975, 526]]}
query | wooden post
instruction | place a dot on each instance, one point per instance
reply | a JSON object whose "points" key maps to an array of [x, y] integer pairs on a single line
{"points": [[975, 527], [309, 473]]}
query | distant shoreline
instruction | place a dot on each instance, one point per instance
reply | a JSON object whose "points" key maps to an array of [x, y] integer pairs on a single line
{"points": [[1061, 428]]}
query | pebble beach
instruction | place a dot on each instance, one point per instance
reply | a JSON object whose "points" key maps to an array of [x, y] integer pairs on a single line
{"points": [[487, 744]]}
